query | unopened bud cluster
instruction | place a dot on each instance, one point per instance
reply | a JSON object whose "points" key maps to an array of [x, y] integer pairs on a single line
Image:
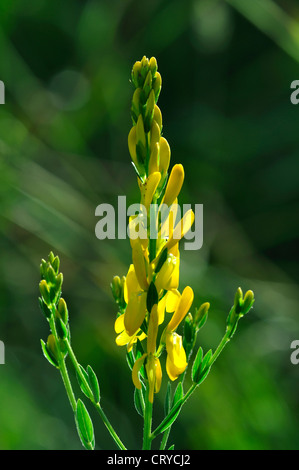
{"points": [[149, 151], [54, 308]]}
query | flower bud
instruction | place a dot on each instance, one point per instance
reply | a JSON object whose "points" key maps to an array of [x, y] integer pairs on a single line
{"points": [[238, 302], [136, 74], [164, 155], [45, 293], [63, 310], [247, 302], [153, 65], [157, 84]]}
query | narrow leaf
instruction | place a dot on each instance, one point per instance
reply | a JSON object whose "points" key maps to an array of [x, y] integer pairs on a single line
{"points": [[204, 368], [167, 403], [48, 354], [179, 393], [170, 418], [80, 382], [94, 384], [84, 426], [139, 402], [196, 365]]}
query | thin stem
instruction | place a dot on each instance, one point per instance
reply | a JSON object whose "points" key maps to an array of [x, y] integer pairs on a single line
{"points": [[67, 384], [165, 438], [91, 397], [148, 413], [63, 370], [109, 427]]}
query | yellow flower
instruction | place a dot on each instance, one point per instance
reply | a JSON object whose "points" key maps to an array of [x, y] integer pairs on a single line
{"points": [[176, 361], [123, 337]]}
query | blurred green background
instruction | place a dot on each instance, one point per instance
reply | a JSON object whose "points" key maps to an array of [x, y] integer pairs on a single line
{"points": [[226, 67]]}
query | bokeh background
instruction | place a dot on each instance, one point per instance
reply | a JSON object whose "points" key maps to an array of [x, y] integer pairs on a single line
{"points": [[227, 67]]}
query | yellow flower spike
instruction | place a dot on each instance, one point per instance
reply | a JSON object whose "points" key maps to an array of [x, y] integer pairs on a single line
{"points": [[149, 189], [140, 134], [174, 184], [153, 165], [152, 330], [139, 265], [182, 308], [154, 135], [181, 229], [154, 375], [135, 312], [176, 361], [164, 155], [135, 371]]}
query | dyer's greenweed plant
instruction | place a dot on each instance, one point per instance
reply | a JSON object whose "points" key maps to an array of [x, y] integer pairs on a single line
{"points": [[151, 307]]}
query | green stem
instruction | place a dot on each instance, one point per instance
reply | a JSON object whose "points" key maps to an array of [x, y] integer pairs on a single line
{"points": [[62, 368], [147, 430], [98, 407], [67, 384]]}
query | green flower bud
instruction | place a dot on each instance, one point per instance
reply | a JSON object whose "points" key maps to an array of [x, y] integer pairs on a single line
{"points": [[52, 347], [201, 315], [51, 257], [45, 293], [238, 302], [247, 302], [62, 310], [56, 264]]}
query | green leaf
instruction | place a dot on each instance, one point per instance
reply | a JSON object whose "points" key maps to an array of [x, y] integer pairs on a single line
{"points": [[204, 367], [179, 393], [94, 384], [61, 328], [130, 359], [84, 426], [45, 310], [196, 365], [139, 402], [81, 383], [162, 259], [167, 403], [171, 447], [48, 355], [202, 321], [170, 418], [152, 297]]}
